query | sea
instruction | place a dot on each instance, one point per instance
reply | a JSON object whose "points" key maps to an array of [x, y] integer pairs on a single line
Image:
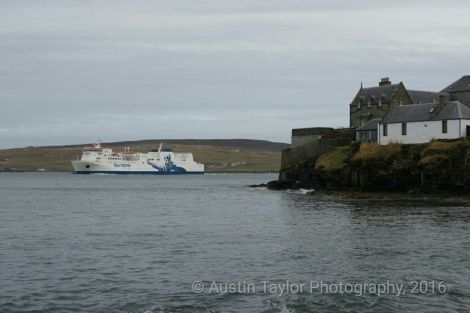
{"points": [[211, 243]]}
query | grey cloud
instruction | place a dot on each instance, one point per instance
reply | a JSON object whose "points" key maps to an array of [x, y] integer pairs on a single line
{"points": [[76, 71]]}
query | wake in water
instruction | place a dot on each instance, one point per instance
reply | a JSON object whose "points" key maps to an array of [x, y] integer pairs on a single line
{"points": [[301, 191]]}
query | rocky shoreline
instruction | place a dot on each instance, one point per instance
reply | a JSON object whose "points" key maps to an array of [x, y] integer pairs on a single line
{"points": [[441, 167]]}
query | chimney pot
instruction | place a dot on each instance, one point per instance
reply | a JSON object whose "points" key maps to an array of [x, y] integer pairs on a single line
{"points": [[385, 81]]}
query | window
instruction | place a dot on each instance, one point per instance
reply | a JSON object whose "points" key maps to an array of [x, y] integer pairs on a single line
{"points": [[403, 129], [359, 104], [369, 102], [444, 127], [385, 130], [380, 102]]}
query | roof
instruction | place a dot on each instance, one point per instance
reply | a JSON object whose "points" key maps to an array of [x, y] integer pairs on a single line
{"points": [[420, 96], [462, 84], [311, 131], [384, 92], [427, 112], [370, 125]]}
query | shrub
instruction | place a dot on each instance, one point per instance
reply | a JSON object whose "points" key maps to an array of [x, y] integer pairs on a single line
{"points": [[433, 160], [374, 151], [333, 160], [436, 146]]}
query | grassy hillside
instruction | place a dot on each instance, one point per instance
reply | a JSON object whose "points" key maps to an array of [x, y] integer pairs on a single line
{"points": [[219, 155]]}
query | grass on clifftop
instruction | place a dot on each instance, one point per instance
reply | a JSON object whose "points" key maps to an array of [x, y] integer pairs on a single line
{"points": [[433, 160], [374, 151], [333, 160], [436, 146]]}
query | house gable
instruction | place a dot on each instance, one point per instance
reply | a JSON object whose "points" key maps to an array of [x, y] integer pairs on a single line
{"points": [[459, 90], [374, 102]]}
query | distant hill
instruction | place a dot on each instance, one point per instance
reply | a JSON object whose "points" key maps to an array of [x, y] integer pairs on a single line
{"points": [[219, 155]]}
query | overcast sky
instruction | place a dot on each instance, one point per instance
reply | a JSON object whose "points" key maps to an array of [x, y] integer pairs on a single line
{"points": [[81, 71]]}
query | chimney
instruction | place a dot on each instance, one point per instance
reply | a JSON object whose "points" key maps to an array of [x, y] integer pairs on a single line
{"points": [[385, 81], [443, 98]]}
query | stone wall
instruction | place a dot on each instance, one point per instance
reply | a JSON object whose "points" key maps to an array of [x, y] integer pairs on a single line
{"points": [[367, 113], [307, 151], [301, 136], [296, 163], [463, 97]]}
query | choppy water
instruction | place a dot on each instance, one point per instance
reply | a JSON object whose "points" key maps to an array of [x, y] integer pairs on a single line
{"points": [[105, 243]]}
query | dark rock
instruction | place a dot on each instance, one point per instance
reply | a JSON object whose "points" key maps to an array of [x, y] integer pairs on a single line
{"points": [[438, 166], [282, 185]]}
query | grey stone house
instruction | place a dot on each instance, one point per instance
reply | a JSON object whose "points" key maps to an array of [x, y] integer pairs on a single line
{"points": [[374, 102]]}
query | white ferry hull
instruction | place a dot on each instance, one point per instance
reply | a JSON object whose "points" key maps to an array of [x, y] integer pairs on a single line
{"points": [[80, 167], [103, 161]]}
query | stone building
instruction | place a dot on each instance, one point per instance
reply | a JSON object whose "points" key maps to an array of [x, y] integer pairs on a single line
{"points": [[301, 136], [459, 90], [374, 102]]}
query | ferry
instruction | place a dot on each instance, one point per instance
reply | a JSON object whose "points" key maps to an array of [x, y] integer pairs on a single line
{"points": [[96, 159]]}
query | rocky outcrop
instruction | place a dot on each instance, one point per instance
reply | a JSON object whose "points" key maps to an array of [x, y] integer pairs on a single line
{"points": [[432, 167]]}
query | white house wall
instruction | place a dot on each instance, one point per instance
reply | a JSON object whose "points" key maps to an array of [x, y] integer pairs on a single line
{"points": [[421, 132], [463, 127]]}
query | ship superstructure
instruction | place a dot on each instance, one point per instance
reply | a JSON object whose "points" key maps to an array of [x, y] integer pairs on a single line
{"points": [[96, 159]]}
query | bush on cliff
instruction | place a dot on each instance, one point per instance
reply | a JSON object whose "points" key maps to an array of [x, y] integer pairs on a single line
{"points": [[373, 151], [333, 160], [433, 160], [439, 147]]}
